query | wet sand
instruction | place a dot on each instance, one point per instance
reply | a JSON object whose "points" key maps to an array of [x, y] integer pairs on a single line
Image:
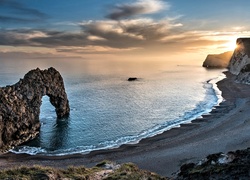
{"points": [[225, 129]]}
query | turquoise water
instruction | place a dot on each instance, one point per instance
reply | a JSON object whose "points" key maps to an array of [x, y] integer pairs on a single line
{"points": [[107, 110]]}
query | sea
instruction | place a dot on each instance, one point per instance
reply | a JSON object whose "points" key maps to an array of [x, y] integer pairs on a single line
{"points": [[107, 110]]}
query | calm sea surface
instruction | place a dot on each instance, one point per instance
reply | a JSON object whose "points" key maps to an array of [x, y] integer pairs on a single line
{"points": [[107, 110]]}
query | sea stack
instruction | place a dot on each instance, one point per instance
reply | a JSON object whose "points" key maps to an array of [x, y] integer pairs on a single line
{"points": [[20, 105]]}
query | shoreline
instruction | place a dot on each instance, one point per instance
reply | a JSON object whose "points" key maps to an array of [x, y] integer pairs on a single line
{"points": [[223, 129], [150, 132]]}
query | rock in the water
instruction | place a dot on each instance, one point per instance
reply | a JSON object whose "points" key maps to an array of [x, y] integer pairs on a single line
{"points": [[132, 79], [218, 60], [20, 105]]}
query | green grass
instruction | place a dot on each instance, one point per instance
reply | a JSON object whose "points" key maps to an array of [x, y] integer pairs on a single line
{"points": [[79, 172], [36, 172], [126, 171], [130, 171]]}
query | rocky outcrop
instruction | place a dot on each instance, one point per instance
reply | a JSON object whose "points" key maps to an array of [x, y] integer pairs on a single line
{"points": [[240, 62], [132, 79], [233, 165], [218, 60], [20, 105]]}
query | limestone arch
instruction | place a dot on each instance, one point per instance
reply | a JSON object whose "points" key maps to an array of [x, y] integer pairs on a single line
{"points": [[20, 105]]}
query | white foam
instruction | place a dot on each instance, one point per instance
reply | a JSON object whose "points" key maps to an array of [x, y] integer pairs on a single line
{"points": [[28, 150]]}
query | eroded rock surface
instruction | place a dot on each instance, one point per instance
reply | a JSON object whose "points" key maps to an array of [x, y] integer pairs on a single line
{"points": [[239, 63], [20, 105]]}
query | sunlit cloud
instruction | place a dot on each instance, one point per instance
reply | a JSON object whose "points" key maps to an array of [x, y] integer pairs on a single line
{"points": [[95, 38], [238, 28]]}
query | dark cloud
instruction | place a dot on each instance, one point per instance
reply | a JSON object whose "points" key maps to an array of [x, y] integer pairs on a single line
{"points": [[125, 11], [12, 38], [110, 35], [40, 38], [60, 39], [8, 19], [140, 7], [147, 30], [16, 12]]}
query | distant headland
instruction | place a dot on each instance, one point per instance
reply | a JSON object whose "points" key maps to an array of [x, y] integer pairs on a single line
{"points": [[218, 60]]}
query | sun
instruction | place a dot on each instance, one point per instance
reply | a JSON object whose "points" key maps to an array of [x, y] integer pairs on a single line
{"points": [[231, 45]]}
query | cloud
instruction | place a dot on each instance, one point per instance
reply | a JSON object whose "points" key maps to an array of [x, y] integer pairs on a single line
{"points": [[8, 19], [140, 7], [111, 34], [136, 35], [22, 14], [125, 34], [20, 37]]}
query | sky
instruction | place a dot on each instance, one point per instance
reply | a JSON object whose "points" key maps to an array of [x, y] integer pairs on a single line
{"points": [[97, 29]]}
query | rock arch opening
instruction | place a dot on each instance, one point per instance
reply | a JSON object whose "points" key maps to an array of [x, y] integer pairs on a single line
{"points": [[47, 110]]}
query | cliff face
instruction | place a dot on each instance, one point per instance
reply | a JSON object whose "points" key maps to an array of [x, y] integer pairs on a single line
{"points": [[240, 61], [218, 60], [20, 105]]}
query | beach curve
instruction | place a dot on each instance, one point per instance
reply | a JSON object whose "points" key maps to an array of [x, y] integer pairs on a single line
{"points": [[224, 129]]}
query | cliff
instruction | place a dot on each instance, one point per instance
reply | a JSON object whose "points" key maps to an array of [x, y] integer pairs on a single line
{"points": [[234, 164], [240, 61], [20, 105], [218, 60]]}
